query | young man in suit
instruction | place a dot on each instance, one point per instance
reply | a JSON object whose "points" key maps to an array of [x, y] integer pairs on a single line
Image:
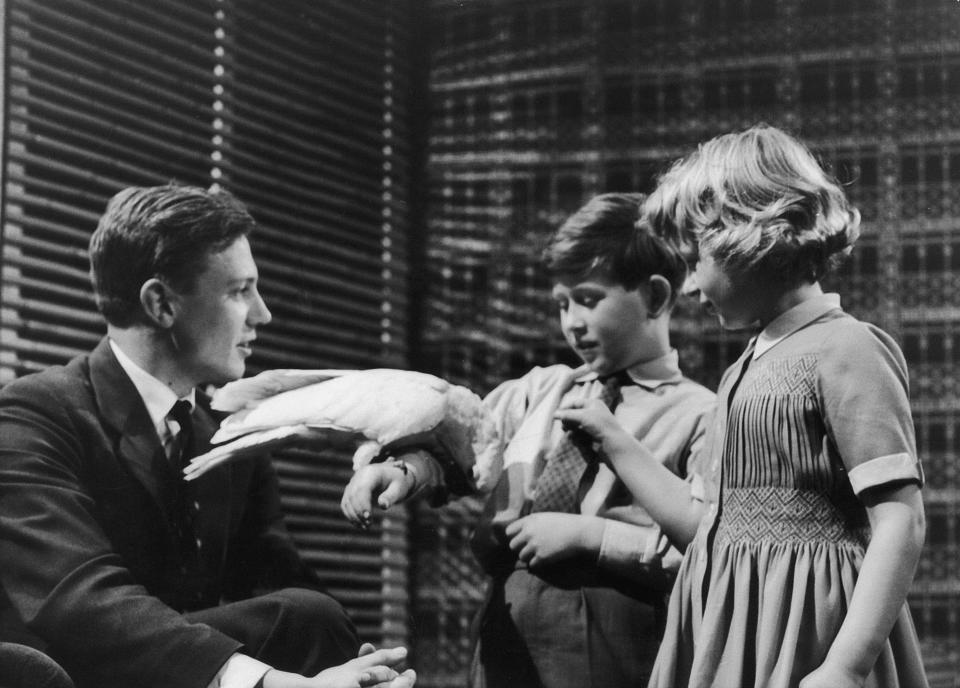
{"points": [[127, 574]]}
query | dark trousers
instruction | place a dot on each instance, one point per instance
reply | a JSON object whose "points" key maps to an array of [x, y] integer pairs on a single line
{"points": [[295, 630], [24, 667], [573, 630]]}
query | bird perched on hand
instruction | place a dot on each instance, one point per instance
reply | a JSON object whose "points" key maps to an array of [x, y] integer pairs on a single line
{"points": [[377, 411]]}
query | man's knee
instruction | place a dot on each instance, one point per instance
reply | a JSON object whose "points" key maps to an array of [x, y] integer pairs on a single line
{"points": [[311, 611], [25, 667], [317, 626]]}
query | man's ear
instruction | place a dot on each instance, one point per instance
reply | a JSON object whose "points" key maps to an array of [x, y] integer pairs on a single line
{"points": [[661, 295], [157, 301]]}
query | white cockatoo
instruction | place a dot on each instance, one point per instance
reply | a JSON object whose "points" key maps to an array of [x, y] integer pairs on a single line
{"points": [[377, 411]]}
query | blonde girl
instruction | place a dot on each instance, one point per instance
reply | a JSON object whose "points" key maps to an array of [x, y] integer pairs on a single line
{"points": [[804, 534]]}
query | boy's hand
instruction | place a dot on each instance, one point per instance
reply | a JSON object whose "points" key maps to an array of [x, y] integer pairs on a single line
{"points": [[395, 480], [589, 415], [389, 483], [548, 537]]}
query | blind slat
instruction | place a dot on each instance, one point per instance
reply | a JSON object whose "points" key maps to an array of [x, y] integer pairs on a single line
{"points": [[99, 92], [59, 40]]}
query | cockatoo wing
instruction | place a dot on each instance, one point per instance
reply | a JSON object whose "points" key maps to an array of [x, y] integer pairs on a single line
{"points": [[250, 445], [250, 391], [381, 403], [382, 409]]}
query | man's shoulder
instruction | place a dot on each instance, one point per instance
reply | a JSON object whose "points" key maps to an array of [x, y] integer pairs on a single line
{"points": [[62, 384]]}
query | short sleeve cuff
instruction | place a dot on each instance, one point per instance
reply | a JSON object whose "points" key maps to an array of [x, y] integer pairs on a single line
{"points": [[623, 542], [698, 489], [885, 469]]}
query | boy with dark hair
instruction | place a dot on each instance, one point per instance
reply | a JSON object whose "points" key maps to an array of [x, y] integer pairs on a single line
{"points": [[126, 574], [579, 571]]}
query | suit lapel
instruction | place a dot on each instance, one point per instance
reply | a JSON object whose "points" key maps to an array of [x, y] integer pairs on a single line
{"points": [[138, 446], [123, 410]]}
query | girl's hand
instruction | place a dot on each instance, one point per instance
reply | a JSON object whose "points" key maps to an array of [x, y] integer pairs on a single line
{"points": [[589, 415], [827, 676], [548, 537]]}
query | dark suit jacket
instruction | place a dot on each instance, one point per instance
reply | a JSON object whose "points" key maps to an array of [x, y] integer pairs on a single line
{"points": [[89, 561]]}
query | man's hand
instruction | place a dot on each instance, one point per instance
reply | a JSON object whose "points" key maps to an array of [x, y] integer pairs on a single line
{"points": [[406, 679], [371, 669], [548, 537]]}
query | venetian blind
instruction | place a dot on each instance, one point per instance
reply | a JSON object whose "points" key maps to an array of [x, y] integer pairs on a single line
{"points": [[313, 125], [99, 96], [293, 107]]}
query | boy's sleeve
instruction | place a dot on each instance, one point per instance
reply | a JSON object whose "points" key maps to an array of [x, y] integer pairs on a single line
{"points": [[641, 554], [633, 544], [866, 402], [506, 406]]}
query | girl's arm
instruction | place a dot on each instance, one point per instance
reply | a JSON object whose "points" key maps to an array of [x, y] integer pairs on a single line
{"points": [[665, 496], [897, 523]]}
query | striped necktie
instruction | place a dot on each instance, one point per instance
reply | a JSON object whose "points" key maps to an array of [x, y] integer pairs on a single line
{"points": [[559, 483]]}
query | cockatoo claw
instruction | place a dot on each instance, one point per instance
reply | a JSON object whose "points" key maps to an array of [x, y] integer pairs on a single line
{"points": [[366, 453]]}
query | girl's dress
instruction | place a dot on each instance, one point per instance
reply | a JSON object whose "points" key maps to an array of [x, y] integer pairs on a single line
{"points": [[816, 413]]}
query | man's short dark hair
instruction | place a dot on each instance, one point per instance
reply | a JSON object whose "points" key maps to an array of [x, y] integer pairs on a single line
{"points": [[167, 232], [605, 238]]}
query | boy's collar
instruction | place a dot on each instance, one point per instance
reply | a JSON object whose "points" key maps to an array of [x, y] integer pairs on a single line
{"points": [[664, 370], [794, 319]]}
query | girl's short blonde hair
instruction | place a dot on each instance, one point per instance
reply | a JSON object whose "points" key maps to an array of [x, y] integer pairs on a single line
{"points": [[759, 204]]}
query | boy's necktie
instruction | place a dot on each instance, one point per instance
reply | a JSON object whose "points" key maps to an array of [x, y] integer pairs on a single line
{"points": [[558, 486]]}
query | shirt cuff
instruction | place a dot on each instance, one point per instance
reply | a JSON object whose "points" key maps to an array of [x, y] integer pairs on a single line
{"points": [[883, 470], [239, 671], [428, 476]]}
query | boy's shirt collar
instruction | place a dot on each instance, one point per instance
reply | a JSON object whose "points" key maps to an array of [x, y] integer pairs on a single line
{"points": [[664, 370], [792, 320]]}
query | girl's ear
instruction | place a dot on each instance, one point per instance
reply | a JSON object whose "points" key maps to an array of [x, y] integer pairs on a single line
{"points": [[157, 301], [661, 295]]}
